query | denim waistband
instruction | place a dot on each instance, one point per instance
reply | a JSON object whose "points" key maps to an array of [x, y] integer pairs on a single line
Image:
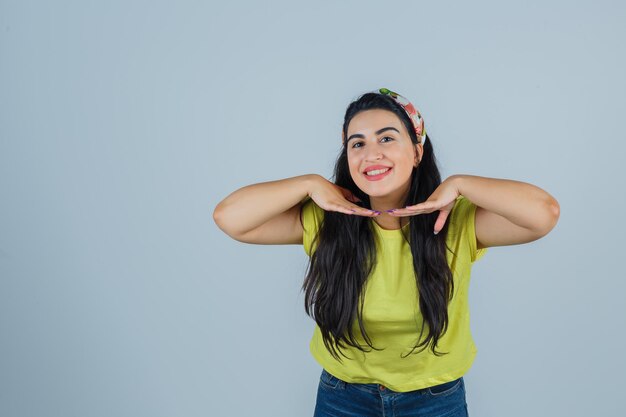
{"points": [[381, 389]]}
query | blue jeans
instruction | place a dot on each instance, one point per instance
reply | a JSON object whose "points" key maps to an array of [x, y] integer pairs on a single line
{"points": [[338, 398]]}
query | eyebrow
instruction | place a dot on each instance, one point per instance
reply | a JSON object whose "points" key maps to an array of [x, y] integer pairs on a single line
{"points": [[378, 132]]}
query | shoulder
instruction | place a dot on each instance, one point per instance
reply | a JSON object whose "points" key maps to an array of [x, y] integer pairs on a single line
{"points": [[311, 214], [461, 227], [460, 212], [311, 217]]}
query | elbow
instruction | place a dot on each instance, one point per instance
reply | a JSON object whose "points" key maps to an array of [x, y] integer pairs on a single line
{"points": [[553, 211], [216, 215], [218, 218], [225, 224]]}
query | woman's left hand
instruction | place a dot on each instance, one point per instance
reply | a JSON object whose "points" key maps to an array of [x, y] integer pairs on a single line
{"points": [[442, 199]]}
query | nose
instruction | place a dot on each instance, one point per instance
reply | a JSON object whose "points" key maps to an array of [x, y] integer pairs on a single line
{"points": [[373, 154]]}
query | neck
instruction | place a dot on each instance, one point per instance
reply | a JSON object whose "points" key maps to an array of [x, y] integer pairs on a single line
{"points": [[391, 201]]}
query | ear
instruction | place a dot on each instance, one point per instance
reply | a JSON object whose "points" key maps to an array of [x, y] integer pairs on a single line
{"points": [[419, 152]]}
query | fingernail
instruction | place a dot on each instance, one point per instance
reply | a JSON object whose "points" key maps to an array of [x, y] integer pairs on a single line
{"points": [[376, 211], [390, 211], [436, 232], [353, 210]]}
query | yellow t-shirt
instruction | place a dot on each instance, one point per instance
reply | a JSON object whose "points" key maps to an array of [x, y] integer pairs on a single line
{"points": [[391, 311]]}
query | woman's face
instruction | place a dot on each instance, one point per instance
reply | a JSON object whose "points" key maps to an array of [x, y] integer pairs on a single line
{"points": [[378, 141]]}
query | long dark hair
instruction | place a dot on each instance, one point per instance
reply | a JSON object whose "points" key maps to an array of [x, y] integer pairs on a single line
{"points": [[346, 251]]}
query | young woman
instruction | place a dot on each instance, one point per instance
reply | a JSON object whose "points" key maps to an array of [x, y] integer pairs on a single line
{"points": [[391, 248]]}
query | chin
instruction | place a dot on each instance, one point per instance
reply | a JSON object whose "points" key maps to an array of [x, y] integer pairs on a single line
{"points": [[382, 192]]}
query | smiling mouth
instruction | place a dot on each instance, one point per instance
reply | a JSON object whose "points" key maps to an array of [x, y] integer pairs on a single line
{"points": [[377, 174]]}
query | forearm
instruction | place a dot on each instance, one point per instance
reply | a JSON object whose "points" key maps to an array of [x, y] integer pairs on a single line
{"points": [[253, 205], [524, 204]]}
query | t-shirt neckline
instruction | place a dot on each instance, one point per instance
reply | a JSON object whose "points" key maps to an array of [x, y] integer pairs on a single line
{"points": [[390, 232]]}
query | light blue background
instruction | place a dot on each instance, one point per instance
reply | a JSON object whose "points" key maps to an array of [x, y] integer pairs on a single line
{"points": [[123, 124]]}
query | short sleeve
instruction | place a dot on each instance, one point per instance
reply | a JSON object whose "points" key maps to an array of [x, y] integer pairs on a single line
{"points": [[463, 219], [312, 216]]}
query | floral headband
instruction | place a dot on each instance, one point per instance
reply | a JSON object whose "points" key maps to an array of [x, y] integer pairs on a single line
{"points": [[411, 111]]}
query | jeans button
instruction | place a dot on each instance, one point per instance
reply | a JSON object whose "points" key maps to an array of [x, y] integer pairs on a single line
{"points": [[382, 387]]}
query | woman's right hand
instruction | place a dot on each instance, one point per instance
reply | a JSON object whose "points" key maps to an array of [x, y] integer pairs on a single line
{"points": [[332, 197]]}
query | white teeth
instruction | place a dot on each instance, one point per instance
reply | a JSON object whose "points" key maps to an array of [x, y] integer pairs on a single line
{"points": [[378, 171]]}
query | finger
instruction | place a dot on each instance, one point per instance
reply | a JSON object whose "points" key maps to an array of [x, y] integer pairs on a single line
{"points": [[360, 211], [407, 211], [340, 209], [429, 206], [403, 212], [441, 221], [355, 210]]}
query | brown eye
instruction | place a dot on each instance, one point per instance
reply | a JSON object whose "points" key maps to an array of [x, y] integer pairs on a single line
{"points": [[384, 137]]}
